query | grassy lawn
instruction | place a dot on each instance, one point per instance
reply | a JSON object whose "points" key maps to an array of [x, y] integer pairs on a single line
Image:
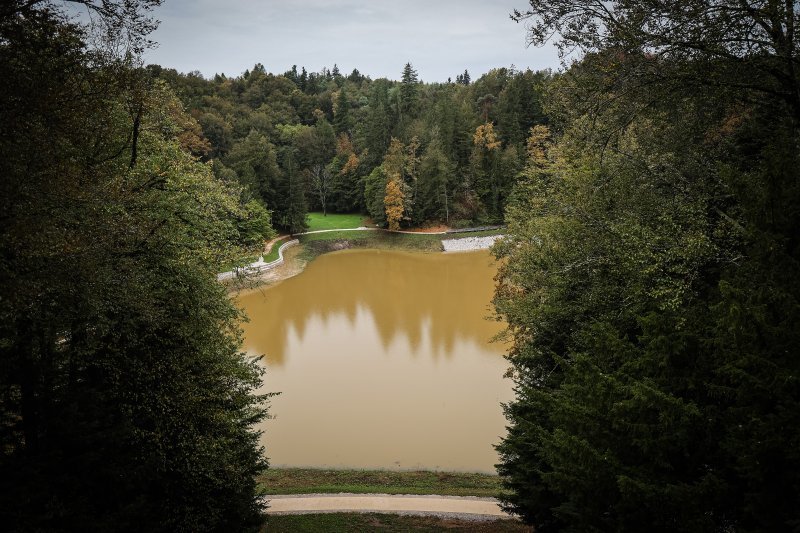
{"points": [[317, 221], [348, 522], [273, 253], [312, 480]]}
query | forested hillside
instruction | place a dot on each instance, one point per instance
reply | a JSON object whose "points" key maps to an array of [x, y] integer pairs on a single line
{"points": [[447, 152]]}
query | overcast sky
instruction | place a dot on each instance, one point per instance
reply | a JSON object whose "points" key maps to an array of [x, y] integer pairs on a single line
{"points": [[440, 38]]}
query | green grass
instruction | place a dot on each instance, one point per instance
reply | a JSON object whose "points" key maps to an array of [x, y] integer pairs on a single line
{"points": [[320, 243], [273, 253], [350, 522], [317, 221], [312, 480]]}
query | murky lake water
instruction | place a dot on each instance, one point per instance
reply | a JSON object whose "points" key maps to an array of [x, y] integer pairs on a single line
{"points": [[383, 360]]}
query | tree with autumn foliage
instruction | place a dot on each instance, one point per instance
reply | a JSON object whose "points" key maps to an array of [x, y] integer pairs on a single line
{"points": [[393, 201], [244, 118], [484, 163]]}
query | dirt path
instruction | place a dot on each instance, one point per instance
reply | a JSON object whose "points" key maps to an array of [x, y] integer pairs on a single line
{"points": [[291, 266], [464, 507]]}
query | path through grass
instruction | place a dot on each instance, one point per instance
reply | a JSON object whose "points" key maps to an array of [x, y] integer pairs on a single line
{"points": [[313, 480]]}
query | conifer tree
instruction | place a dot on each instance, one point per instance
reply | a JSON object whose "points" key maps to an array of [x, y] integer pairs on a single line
{"points": [[408, 92]]}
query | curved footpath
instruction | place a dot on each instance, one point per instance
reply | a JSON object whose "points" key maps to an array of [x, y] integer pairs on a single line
{"points": [[461, 507]]}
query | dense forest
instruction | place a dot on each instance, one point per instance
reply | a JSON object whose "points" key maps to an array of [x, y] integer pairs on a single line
{"points": [[405, 152], [649, 277], [125, 403]]}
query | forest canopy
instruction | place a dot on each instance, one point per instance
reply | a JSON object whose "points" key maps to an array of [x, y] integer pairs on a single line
{"points": [[649, 275], [451, 150]]}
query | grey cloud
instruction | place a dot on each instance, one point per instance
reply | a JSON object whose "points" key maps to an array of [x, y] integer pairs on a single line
{"points": [[439, 37]]}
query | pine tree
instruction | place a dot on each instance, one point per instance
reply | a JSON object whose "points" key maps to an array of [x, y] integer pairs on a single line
{"points": [[303, 79], [408, 92], [342, 119]]}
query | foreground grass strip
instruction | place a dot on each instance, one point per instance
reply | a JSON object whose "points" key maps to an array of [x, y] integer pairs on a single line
{"points": [[316, 221], [341, 522], [311, 480]]}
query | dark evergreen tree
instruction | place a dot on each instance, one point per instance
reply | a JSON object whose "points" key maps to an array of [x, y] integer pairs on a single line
{"points": [[294, 218], [408, 92], [342, 120], [303, 79], [355, 76]]}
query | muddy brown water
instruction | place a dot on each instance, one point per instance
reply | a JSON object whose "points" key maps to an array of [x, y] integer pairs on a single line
{"points": [[383, 360]]}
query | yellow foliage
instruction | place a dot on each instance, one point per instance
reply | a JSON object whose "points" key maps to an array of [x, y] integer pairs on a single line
{"points": [[344, 145], [485, 137], [393, 202], [394, 160], [538, 144], [350, 166]]}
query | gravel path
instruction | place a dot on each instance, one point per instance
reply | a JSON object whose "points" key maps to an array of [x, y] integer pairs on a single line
{"points": [[463, 507], [465, 244], [468, 244]]}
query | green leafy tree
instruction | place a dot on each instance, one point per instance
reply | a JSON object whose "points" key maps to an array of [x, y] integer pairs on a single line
{"points": [[374, 194], [436, 174], [256, 166], [294, 217], [650, 280], [126, 403]]}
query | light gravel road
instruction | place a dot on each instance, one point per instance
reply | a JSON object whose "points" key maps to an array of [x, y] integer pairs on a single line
{"points": [[468, 244], [462, 507]]}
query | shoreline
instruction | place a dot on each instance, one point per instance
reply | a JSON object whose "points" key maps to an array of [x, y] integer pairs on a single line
{"points": [[313, 244]]}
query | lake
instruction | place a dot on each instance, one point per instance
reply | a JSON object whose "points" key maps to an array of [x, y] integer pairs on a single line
{"points": [[383, 360]]}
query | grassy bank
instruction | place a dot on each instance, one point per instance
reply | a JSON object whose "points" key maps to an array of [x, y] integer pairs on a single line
{"points": [[349, 522], [312, 480], [320, 243]]}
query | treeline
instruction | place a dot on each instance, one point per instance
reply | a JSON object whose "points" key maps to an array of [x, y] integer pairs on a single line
{"points": [[651, 274], [125, 403], [405, 152]]}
